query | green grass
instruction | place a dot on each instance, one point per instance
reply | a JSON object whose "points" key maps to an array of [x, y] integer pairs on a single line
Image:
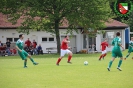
{"points": [[76, 75]]}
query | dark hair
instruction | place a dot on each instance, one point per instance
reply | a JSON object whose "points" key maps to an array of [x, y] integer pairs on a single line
{"points": [[20, 35], [65, 36], [118, 34]]}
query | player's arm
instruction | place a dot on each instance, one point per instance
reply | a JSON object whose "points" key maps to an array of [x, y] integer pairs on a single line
{"points": [[18, 48], [66, 41], [101, 46], [113, 43]]}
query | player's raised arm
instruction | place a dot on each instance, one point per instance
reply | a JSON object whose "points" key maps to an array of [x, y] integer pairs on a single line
{"points": [[18, 48]]}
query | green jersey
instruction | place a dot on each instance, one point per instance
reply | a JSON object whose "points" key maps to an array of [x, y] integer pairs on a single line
{"points": [[116, 41], [20, 44], [130, 44]]}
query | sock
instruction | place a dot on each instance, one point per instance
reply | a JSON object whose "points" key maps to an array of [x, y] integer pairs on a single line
{"points": [[120, 62], [104, 55], [25, 63], [110, 63], [101, 57], [32, 60], [69, 58], [128, 55], [58, 61]]}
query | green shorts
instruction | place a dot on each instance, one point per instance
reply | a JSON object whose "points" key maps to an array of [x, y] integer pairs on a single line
{"points": [[23, 54], [130, 50], [116, 53]]}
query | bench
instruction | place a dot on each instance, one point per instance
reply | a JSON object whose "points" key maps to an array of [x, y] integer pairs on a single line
{"points": [[51, 49]]}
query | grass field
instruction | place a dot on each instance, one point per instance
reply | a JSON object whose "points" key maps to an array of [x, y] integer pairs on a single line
{"points": [[76, 75]]}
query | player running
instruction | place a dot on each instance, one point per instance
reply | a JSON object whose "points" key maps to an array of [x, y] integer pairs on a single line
{"points": [[130, 48], [64, 50], [22, 53], [103, 46], [116, 51]]}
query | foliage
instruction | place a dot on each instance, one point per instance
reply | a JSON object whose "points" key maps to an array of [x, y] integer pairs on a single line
{"points": [[49, 15]]}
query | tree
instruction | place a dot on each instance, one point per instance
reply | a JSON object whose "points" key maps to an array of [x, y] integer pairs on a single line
{"points": [[48, 15], [130, 21]]}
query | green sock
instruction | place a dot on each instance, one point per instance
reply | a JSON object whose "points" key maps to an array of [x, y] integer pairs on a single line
{"points": [[127, 55], [32, 60], [120, 62], [110, 63], [25, 63]]}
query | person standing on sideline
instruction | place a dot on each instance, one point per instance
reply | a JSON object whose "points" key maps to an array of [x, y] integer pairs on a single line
{"points": [[64, 50], [39, 49], [130, 48], [28, 42], [103, 46], [34, 47], [22, 53], [116, 51], [8, 43]]}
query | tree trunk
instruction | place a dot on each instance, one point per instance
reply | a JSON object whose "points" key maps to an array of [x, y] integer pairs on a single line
{"points": [[87, 45], [57, 35]]}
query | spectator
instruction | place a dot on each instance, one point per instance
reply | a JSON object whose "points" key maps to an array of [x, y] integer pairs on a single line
{"points": [[26, 48], [8, 43], [31, 49], [3, 50], [1, 44], [34, 47], [39, 49], [28, 42], [34, 44], [8, 50]]}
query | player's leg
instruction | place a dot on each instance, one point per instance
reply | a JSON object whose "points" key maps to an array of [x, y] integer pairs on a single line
{"points": [[127, 55], [120, 61], [105, 53], [29, 56], [101, 55], [69, 56], [21, 54], [63, 52], [25, 63], [111, 61]]}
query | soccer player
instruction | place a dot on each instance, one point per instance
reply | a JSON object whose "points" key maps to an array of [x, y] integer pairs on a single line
{"points": [[130, 48], [22, 53], [104, 44], [116, 51], [64, 50]]}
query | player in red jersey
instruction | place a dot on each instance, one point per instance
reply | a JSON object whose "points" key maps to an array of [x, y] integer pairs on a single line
{"points": [[65, 50], [104, 44]]}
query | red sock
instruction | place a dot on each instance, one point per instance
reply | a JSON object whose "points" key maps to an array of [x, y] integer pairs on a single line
{"points": [[100, 57], [58, 61], [104, 55], [69, 58]]}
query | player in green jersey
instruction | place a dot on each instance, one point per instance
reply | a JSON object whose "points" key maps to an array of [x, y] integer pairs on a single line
{"points": [[116, 51], [22, 53], [130, 48]]}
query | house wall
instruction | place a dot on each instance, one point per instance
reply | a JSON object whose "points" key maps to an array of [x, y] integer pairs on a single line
{"points": [[100, 39], [12, 33]]}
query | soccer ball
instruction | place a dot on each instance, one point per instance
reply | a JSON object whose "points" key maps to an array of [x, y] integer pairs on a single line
{"points": [[85, 62]]}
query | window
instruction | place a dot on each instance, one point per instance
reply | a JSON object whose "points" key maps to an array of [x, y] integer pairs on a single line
{"points": [[91, 41], [51, 39], [44, 39], [10, 39], [15, 39]]}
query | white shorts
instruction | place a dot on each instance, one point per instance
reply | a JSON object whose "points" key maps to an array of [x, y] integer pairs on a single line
{"points": [[103, 52], [63, 52]]}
